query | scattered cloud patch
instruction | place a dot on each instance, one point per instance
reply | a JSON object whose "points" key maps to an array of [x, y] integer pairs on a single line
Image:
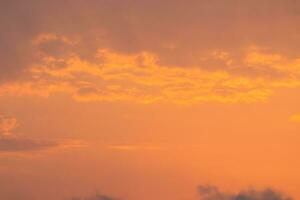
{"points": [[207, 192], [7, 124], [11, 142]]}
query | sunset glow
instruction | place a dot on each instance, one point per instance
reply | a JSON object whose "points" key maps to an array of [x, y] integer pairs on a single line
{"points": [[149, 100]]}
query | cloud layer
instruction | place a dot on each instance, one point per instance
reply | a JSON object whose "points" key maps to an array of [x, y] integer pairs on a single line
{"points": [[140, 78], [150, 51]]}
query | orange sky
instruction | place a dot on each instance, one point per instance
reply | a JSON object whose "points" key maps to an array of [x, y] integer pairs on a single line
{"points": [[145, 100]]}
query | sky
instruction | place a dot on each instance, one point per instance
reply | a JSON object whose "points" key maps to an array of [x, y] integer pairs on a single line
{"points": [[149, 99]]}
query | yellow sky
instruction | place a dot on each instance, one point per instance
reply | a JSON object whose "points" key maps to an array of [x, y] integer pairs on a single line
{"points": [[144, 100]]}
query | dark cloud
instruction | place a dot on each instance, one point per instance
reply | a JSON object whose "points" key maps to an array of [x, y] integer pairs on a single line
{"points": [[213, 193], [192, 28], [205, 192], [88, 91]]}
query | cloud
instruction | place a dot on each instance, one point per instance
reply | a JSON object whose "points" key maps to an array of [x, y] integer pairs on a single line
{"points": [[7, 124], [102, 50], [11, 142], [207, 192], [139, 78], [182, 26]]}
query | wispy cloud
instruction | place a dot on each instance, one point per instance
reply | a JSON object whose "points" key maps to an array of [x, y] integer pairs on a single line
{"points": [[11, 142], [17, 144]]}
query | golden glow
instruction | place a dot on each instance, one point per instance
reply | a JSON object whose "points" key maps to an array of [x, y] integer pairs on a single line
{"points": [[140, 78], [295, 118]]}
